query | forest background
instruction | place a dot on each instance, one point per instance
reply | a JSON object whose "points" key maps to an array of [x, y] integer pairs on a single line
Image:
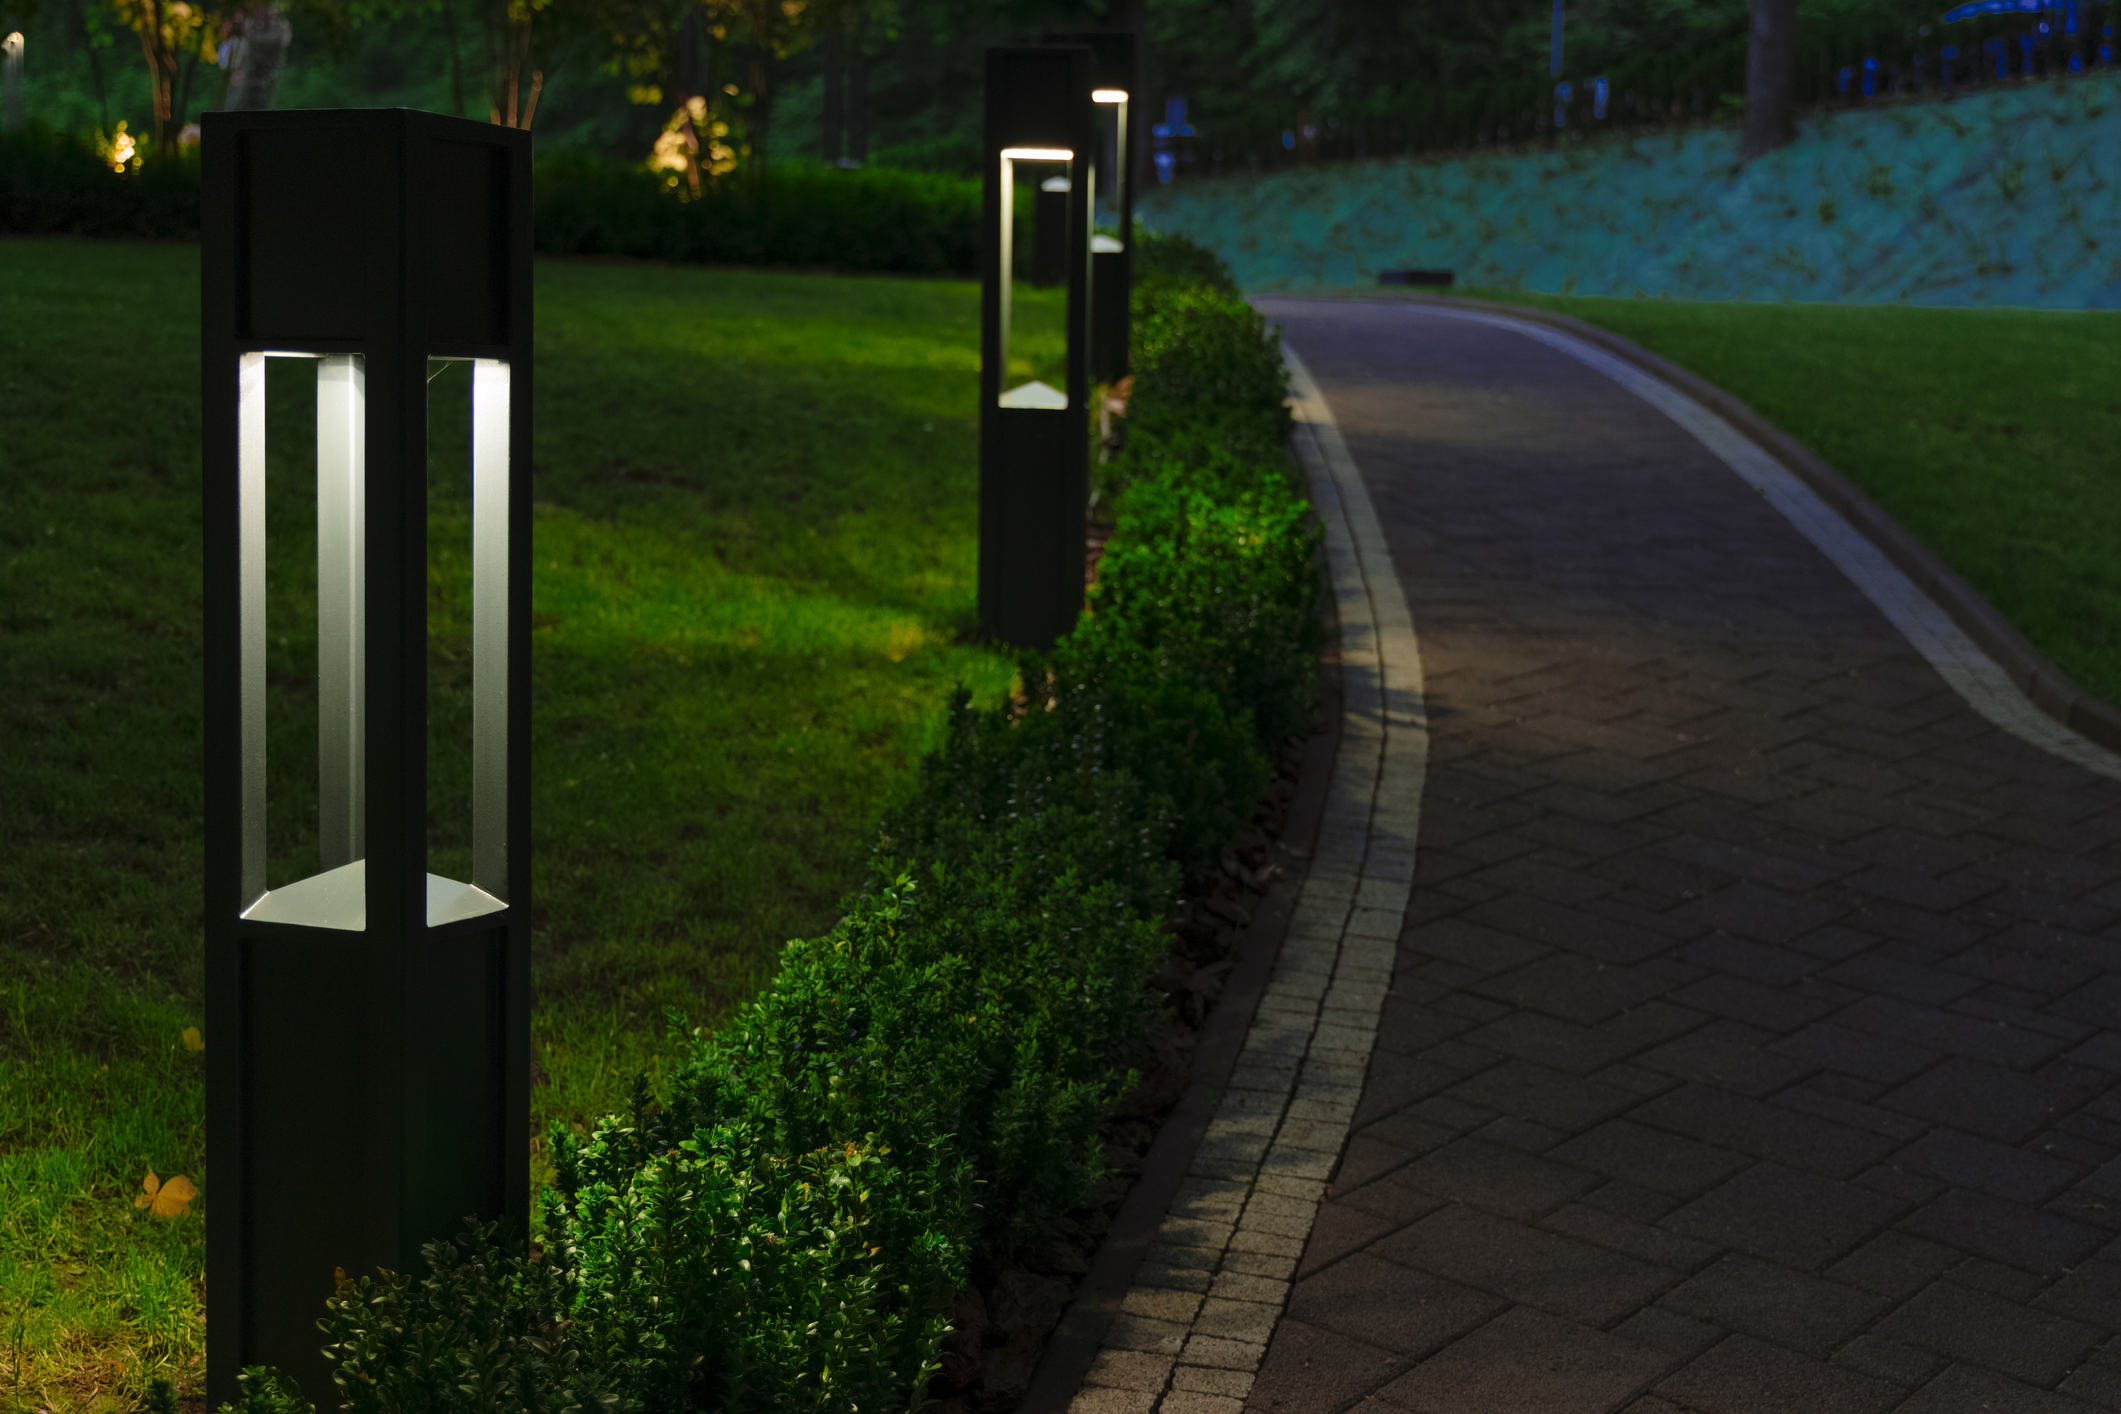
{"points": [[728, 85]]}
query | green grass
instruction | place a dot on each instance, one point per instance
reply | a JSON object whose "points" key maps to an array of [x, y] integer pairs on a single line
{"points": [[1989, 434], [755, 553]]}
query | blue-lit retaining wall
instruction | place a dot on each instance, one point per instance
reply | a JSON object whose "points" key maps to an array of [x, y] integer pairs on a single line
{"points": [[1998, 197]]}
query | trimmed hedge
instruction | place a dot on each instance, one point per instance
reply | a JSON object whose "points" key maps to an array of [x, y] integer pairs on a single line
{"points": [[872, 219], [54, 184], [786, 1226]]}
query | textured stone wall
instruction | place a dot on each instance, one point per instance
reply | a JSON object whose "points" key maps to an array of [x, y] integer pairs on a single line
{"points": [[2007, 196]]}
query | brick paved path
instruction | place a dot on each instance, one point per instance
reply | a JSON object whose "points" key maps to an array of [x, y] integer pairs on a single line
{"points": [[1746, 1051]]}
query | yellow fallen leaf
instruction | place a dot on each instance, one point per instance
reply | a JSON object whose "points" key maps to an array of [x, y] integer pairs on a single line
{"points": [[165, 1200], [193, 1041]]}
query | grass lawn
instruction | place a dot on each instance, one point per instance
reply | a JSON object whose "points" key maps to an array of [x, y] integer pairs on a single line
{"points": [[1990, 434], [755, 554]]}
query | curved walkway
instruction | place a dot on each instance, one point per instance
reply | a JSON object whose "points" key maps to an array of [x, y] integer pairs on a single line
{"points": [[1746, 1048]]}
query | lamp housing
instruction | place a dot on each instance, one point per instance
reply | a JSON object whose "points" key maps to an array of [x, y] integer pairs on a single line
{"points": [[368, 1019], [1034, 438]]}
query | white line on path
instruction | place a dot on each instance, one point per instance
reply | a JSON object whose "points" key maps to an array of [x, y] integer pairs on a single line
{"points": [[1960, 661], [1195, 1324]]}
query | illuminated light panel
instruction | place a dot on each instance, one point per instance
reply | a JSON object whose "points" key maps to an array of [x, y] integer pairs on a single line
{"points": [[1108, 95], [1038, 154]]}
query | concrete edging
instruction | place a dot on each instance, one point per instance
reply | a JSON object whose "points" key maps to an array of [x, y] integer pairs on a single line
{"points": [[1075, 1342], [2044, 684]]}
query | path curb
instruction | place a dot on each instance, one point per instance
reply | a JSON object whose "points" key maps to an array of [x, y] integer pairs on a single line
{"points": [[1074, 1344], [2044, 684]]}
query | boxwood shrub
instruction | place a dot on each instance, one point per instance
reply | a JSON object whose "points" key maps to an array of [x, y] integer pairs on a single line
{"points": [[785, 1226]]}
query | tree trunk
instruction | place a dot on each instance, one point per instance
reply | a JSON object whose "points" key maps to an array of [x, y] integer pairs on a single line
{"points": [[254, 64], [830, 140], [761, 112], [1770, 78], [858, 108]]}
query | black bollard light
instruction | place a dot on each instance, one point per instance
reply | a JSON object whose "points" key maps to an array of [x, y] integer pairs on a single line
{"points": [[1114, 78], [1034, 438], [367, 1023]]}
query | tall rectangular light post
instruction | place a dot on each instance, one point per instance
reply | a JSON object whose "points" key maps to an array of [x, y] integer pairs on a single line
{"points": [[368, 1025], [1114, 82], [1034, 438]]}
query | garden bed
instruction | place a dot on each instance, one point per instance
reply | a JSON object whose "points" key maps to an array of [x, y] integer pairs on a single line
{"points": [[925, 1094]]}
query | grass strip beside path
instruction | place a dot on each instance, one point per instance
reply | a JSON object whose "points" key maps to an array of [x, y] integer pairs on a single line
{"points": [[754, 588], [1990, 434]]}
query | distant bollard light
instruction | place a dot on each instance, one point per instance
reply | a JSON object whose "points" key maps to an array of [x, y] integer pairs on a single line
{"points": [[1034, 483], [1114, 76], [368, 1086]]}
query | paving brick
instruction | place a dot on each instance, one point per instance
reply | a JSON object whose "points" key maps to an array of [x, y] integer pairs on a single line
{"points": [[1729, 1054], [1998, 961], [1311, 1370], [1976, 1328], [1762, 912], [1744, 957], [1339, 1230], [1894, 1264], [1949, 1031], [1387, 1305], [1572, 987], [1231, 1384], [1786, 1215], [1519, 1134], [2001, 1170], [1937, 893], [1406, 1028], [1468, 944], [1617, 942], [1680, 1337], [1458, 1116], [1757, 1004], [1395, 1081], [1746, 1376], [1500, 1180], [1654, 1158], [1550, 1041], [2090, 1292], [1960, 1390], [1557, 1274], [1651, 1244], [1367, 1157], [1858, 1053], [1776, 1304], [1631, 1201], [1717, 1117], [1855, 1114], [1392, 1198], [1834, 942], [2094, 1384], [1528, 1362], [1775, 868], [2005, 1232], [1542, 1095], [1988, 1099], [1884, 1359], [1997, 1279]]}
